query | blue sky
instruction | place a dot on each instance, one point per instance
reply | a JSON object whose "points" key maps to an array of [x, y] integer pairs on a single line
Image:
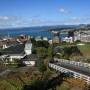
{"points": [[23, 13]]}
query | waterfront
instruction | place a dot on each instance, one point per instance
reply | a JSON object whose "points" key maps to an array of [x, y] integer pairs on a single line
{"points": [[31, 31]]}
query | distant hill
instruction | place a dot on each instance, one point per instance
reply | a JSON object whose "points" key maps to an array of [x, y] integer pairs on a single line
{"points": [[48, 27]]}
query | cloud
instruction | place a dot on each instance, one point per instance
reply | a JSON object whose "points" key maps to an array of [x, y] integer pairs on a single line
{"points": [[4, 18], [80, 20], [7, 21], [41, 22], [63, 11], [13, 21]]}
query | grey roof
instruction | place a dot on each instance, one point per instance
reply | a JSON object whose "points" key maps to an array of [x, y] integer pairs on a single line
{"points": [[15, 49], [32, 57]]}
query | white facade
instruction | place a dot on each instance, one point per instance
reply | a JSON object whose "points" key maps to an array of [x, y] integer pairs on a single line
{"points": [[17, 56], [38, 38], [29, 63], [77, 37], [68, 39], [28, 48], [45, 38], [83, 36], [5, 46], [50, 41], [11, 57]]}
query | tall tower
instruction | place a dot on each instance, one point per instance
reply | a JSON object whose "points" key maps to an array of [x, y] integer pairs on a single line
{"points": [[28, 47]]}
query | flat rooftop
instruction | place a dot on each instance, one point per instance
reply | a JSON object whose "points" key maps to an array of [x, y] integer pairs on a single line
{"points": [[78, 69]]}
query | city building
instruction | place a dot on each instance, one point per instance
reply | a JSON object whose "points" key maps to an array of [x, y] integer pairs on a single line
{"points": [[83, 36], [38, 38], [45, 38], [56, 37], [50, 42], [68, 39], [5, 43], [29, 60]]}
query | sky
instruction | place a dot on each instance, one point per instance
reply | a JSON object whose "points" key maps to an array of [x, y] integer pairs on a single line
{"points": [[27, 13]]}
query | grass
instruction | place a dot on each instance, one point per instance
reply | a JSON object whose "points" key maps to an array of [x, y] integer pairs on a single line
{"points": [[12, 65], [67, 45], [84, 49], [64, 86], [4, 85]]}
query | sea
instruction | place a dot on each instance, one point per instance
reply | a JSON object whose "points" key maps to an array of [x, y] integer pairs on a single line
{"points": [[42, 31]]}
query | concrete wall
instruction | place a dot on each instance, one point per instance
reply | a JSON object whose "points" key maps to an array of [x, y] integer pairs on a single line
{"points": [[75, 74]]}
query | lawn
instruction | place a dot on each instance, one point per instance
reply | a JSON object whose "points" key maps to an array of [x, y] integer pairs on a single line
{"points": [[84, 49], [64, 86], [4, 85]]}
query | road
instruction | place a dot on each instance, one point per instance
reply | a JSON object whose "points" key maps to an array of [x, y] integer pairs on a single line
{"points": [[5, 72]]}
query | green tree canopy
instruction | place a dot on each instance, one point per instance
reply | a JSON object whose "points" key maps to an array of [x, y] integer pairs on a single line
{"points": [[41, 66], [50, 52], [41, 52]]}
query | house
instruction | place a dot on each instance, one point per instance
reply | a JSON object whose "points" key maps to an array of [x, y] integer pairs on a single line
{"points": [[68, 39], [45, 38], [56, 37], [12, 57], [38, 38], [13, 52], [50, 42], [21, 52], [29, 60], [56, 40], [6, 43], [22, 38]]}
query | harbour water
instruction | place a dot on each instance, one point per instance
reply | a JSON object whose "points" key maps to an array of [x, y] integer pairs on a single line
{"points": [[32, 31]]}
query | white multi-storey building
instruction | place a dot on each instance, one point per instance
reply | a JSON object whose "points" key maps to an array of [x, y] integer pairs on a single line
{"points": [[83, 36], [68, 39]]}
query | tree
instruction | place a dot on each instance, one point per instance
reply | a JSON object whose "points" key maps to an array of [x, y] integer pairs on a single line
{"points": [[0, 53], [41, 66], [50, 53], [33, 41], [41, 52], [42, 44], [45, 44]]}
